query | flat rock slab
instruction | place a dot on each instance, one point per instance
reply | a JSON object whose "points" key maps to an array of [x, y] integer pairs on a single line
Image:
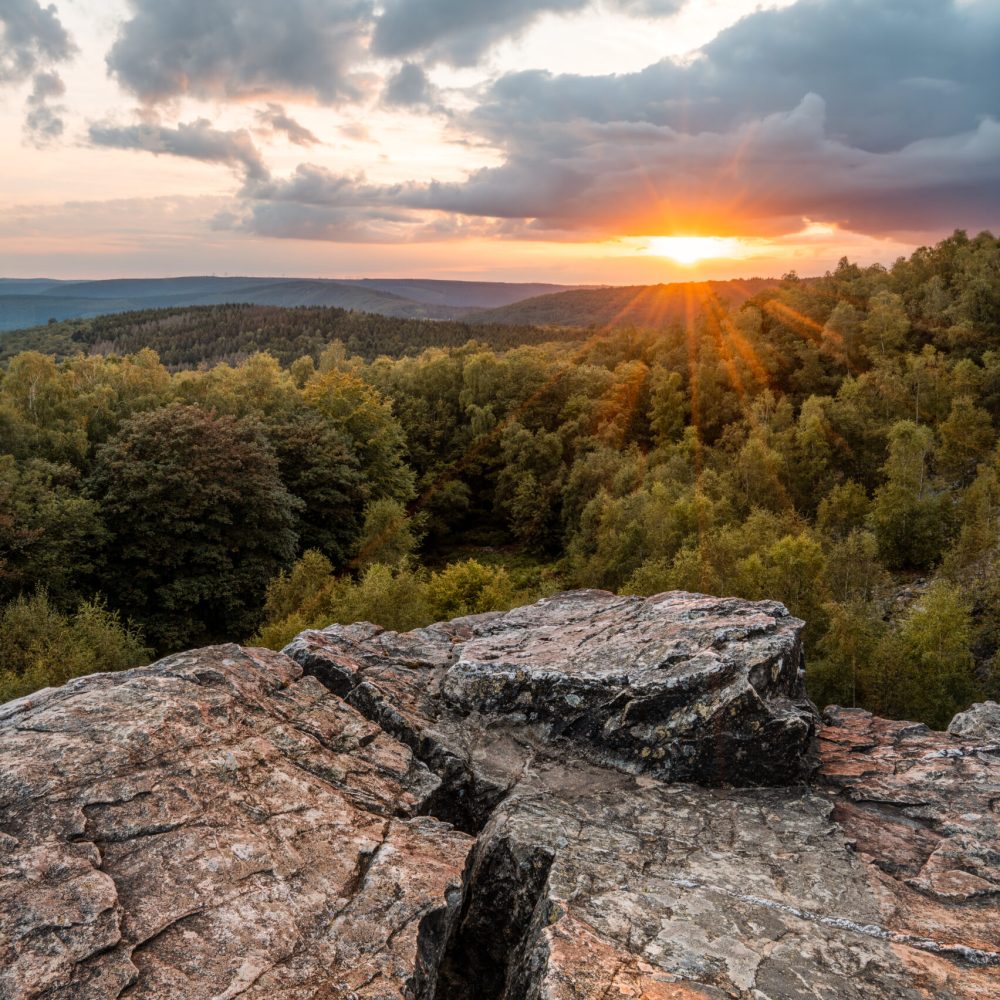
{"points": [[923, 809], [688, 893], [981, 721], [216, 825], [689, 687]]}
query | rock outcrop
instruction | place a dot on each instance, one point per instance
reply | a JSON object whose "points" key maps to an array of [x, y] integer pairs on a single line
{"points": [[593, 797], [216, 825], [981, 721], [685, 687]]}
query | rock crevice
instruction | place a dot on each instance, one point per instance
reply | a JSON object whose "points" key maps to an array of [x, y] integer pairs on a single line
{"points": [[591, 797]]}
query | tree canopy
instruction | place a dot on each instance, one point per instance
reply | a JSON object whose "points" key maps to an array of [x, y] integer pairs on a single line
{"points": [[830, 443]]}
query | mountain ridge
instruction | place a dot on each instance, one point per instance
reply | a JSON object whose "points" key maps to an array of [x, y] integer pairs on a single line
{"points": [[27, 302]]}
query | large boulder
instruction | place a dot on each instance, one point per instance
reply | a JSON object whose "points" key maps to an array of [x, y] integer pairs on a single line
{"points": [[687, 687], [593, 797], [981, 721]]}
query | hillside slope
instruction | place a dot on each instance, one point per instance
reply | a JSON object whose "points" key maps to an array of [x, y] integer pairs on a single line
{"points": [[652, 306]]}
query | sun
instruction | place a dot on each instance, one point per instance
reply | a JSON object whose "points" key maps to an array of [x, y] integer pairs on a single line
{"points": [[691, 249]]}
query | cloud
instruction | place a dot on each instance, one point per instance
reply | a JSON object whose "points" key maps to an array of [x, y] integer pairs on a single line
{"points": [[763, 177], [409, 87], [881, 118], [315, 185], [197, 140], [765, 126], [650, 8], [275, 119], [43, 122], [457, 31], [619, 178], [32, 41], [890, 73], [32, 38], [460, 32], [238, 49], [314, 49]]}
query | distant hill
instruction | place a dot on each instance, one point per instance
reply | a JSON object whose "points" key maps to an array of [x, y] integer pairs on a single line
{"points": [[33, 302], [190, 337], [651, 306], [463, 294]]}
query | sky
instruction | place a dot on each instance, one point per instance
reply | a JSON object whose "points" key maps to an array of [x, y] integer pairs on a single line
{"points": [[576, 141]]}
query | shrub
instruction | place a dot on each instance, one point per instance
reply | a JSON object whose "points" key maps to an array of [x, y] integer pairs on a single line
{"points": [[40, 647]]}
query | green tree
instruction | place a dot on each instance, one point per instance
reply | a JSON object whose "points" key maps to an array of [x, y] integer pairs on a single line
{"points": [[854, 573], [843, 510], [929, 660], [468, 588], [966, 438], [319, 466], [49, 534], [391, 596], [842, 334], [296, 600], [886, 326], [844, 669], [198, 520], [365, 419], [668, 405], [911, 519], [389, 535]]}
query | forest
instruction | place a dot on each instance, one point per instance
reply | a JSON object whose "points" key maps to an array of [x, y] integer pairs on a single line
{"points": [[199, 336], [830, 443]]}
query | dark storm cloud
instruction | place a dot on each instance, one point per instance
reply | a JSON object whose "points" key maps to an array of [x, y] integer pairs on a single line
{"points": [[409, 87], [459, 32], [32, 38], [43, 122], [275, 119], [242, 48], [196, 140]]}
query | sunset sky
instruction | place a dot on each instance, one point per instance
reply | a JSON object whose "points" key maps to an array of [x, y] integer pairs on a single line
{"points": [[562, 140]]}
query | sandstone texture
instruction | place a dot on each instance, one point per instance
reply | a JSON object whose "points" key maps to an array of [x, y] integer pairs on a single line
{"points": [[591, 798]]}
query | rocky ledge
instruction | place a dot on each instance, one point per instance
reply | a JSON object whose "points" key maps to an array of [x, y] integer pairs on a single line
{"points": [[593, 797]]}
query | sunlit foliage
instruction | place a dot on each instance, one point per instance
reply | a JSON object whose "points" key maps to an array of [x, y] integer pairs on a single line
{"points": [[830, 443]]}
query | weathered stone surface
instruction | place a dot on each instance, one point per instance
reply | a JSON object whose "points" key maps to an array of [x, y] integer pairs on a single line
{"points": [[922, 809], [218, 825], [653, 891], [594, 877], [688, 687], [213, 826], [981, 721]]}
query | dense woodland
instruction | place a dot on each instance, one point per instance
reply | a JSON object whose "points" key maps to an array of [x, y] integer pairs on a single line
{"points": [[831, 443], [201, 336]]}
